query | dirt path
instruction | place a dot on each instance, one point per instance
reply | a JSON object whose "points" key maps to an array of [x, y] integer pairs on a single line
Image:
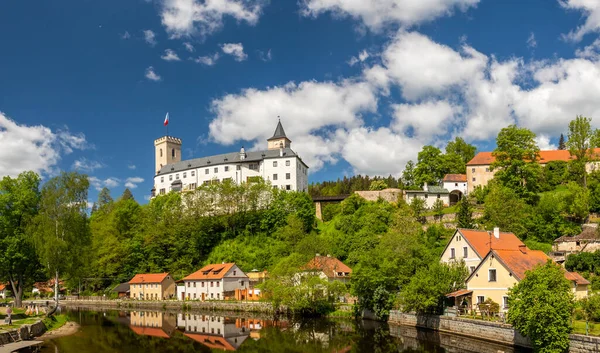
{"points": [[67, 329]]}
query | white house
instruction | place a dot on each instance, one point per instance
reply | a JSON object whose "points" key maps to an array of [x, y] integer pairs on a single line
{"points": [[216, 332], [456, 184], [430, 194], [278, 164], [213, 282]]}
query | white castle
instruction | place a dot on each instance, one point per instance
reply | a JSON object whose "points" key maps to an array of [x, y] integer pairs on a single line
{"points": [[278, 164]]}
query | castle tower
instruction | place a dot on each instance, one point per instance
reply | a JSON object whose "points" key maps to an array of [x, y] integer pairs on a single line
{"points": [[167, 150], [279, 139]]}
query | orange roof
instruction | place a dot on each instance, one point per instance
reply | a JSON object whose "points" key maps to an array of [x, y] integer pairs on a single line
{"points": [[149, 331], [212, 271], [329, 265], [576, 277], [480, 241], [213, 342], [486, 158], [148, 278], [2, 286], [455, 178], [459, 293], [518, 262]]}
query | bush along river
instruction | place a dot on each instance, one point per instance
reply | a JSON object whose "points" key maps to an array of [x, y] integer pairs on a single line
{"points": [[164, 331]]}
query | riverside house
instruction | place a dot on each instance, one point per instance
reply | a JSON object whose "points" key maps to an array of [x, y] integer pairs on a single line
{"points": [[213, 282], [328, 268], [472, 245], [3, 291], [587, 241], [215, 332], [152, 286]]}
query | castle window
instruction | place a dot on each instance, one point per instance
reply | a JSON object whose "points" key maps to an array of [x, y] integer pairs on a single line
{"points": [[274, 176], [288, 187], [162, 191], [173, 152], [275, 164], [161, 152], [287, 163], [193, 173], [206, 171], [288, 176], [226, 168], [216, 170]]}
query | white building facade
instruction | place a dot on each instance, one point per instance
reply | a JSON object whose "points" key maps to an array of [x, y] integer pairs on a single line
{"points": [[278, 164], [213, 282]]}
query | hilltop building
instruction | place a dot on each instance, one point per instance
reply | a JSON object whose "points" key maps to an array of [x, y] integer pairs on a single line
{"points": [[479, 171], [278, 164]]}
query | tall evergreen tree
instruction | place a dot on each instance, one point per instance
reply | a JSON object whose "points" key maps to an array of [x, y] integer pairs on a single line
{"points": [[464, 217], [561, 142], [127, 195]]}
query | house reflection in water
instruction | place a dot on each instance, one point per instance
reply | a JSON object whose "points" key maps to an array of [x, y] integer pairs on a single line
{"points": [[218, 332], [152, 323]]}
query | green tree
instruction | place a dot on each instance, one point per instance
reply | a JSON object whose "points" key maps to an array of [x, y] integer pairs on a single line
{"points": [[438, 208], [561, 142], [425, 293], [61, 230], [540, 307], [516, 162], [19, 200], [504, 209], [582, 140], [408, 175], [104, 198], [127, 195], [461, 148], [590, 307], [553, 174], [464, 216], [417, 206], [578, 201], [378, 185], [429, 166]]}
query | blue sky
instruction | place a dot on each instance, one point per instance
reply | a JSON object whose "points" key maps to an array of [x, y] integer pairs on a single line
{"points": [[360, 85]]}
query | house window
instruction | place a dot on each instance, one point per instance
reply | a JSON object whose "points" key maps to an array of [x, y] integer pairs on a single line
{"points": [[487, 169], [426, 195], [212, 284], [226, 168], [472, 170], [206, 182], [471, 269], [438, 196], [480, 299], [173, 153], [242, 283], [176, 176], [184, 175], [162, 191], [193, 173], [465, 252], [473, 179], [218, 284], [206, 171], [194, 284], [492, 275], [288, 176], [212, 295], [238, 167], [234, 272], [275, 164], [274, 176], [216, 169], [505, 302], [171, 177], [194, 295], [455, 184], [288, 187], [192, 186], [253, 166], [217, 298], [452, 253], [287, 163], [202, 284], [162, 179]]}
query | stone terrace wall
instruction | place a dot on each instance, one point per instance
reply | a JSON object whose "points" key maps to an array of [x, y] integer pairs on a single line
{"points": [[260, 307], [389, 195], [25, 332], [491, 331]]}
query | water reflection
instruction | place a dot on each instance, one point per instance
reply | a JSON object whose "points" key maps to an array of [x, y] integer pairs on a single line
{"points": [[154, 331]]}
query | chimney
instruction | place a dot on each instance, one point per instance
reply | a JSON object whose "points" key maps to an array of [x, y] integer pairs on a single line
{"points": [[497, 233], [425, 186], [523, 248], [242, 153]]}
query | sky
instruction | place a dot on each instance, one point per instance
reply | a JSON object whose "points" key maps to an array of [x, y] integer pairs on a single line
{"points": [[360, 85]]}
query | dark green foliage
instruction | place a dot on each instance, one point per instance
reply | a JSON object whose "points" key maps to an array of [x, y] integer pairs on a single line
{"points": [[464, 216], [417, 206], [540, 307], [378, 185], [127, 195], [582, 140], [561, 142], [438, 208], [460, 148], [504, 209], [586, 263], [408, 176], [330, 210], [349, 185], [479, 193], [555, 173]]}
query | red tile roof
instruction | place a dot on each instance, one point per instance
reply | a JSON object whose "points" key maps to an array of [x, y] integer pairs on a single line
{"points": [[486, 158], [148, 278], [213, 342], [455, 178], [588, 234], [459, 293], [577, 278], [212, 271], [149, 331], [2, 286], [329, 265], [480, 241]]}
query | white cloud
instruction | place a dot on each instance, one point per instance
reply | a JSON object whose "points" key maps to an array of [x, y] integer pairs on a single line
{"points": [[98, 184], [132, 182], [151, 75], [425, 120], [236, 50], [170, 55], [531, 42], [131, 166], [207, 60], [591, 51], [543, 142], [183, 18], [150, 37], [362, 56], [125, 35], [35, 148], [265, 56], [86, 166], [591, 11], [189, 47], [375, 14]]}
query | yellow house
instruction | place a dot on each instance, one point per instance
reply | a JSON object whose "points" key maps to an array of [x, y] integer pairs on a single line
{"points": [[471, 246], [500, 270], [152, 286]]}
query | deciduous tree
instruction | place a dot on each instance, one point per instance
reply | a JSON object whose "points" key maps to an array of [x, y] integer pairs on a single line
{"points": [[582, 140], [461, 148]]}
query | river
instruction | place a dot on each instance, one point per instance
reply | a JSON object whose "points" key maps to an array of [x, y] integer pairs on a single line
{"points": [[149, 331]]}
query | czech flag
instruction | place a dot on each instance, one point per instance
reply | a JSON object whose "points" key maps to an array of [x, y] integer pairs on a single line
{"points": [[166, 120]]}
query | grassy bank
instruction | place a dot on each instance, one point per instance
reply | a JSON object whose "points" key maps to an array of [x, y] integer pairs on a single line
{"points": [[579, 328], [57, 321]]}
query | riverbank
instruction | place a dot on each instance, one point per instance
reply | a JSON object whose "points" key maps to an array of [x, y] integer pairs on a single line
{"points": [[485, 330], [68, 328], [231, 306]]}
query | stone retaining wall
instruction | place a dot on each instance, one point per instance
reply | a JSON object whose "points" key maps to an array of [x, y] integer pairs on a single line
{"points": [[486, 330], [25, 332], [259, 307]]}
